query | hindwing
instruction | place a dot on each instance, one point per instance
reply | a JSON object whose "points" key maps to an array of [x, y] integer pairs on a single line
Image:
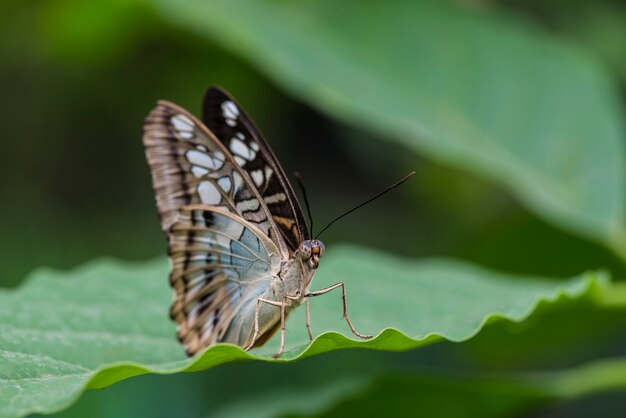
{"points": [[220, 263]]}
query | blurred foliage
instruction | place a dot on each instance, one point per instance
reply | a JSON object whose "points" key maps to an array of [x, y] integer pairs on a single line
{"points": [[596, 25], [452, 103], [78, 78], [346, 383]]}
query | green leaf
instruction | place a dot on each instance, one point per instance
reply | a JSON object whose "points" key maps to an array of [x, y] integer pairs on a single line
{"points": [[484, 91], [559, 336], [448, 395], [351, 384], [63, 332], [84, 32], [518, 364]]}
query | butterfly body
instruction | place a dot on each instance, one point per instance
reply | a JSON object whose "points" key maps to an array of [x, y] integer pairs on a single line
{"points": [[240, 252], [289, 285]]}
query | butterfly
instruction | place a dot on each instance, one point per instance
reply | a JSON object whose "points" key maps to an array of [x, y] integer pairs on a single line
{"points": [[241, 256]]}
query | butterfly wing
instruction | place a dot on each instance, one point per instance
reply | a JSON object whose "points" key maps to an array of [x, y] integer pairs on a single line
{"points": [[224, 255], [190, 166], [224, 117], [220, 265]]}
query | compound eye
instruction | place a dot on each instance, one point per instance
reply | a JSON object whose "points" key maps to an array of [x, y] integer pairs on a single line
{"points": [[317, 248], [305, 250], [321, 247]]}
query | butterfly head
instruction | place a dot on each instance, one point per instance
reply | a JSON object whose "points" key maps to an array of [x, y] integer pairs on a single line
{"points": [[310, 251]]}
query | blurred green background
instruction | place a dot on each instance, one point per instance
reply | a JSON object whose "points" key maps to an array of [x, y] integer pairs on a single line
{"points": [[77, 78]]}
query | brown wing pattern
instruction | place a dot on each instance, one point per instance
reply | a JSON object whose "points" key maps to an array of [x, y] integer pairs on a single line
{"points": [[227, 120]]}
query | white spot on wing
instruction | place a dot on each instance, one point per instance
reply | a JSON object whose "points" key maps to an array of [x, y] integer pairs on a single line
{"points": [[248, 205], [224, 183], [240, 136], [209, 193], [237, 146], [199, 171], [205, 160], [229, 110], [218, 156], [275, 198], [254, 146], [182, 123], [237, 180], [240, 161], [257, 177]]}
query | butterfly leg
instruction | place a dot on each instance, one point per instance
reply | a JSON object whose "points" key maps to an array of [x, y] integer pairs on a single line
{"points": [[282, 328], [283, 315], [345, 305], [257, 312], [308, 318]]}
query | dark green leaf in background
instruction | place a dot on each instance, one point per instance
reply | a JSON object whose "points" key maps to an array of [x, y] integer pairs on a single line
{"points": [[362, 383], [488, 93], [450, 395]]}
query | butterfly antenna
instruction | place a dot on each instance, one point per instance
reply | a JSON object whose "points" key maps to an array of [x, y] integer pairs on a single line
{"points": [[393, 186], [306, 201]]}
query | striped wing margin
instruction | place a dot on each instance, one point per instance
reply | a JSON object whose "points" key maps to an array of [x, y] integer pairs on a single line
{"points": [[227, 120], [190, 165], [220, 265]]}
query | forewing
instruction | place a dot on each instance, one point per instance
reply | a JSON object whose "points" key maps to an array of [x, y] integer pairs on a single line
{"points": [[190, 166], [220, 266], [227, 120]]}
